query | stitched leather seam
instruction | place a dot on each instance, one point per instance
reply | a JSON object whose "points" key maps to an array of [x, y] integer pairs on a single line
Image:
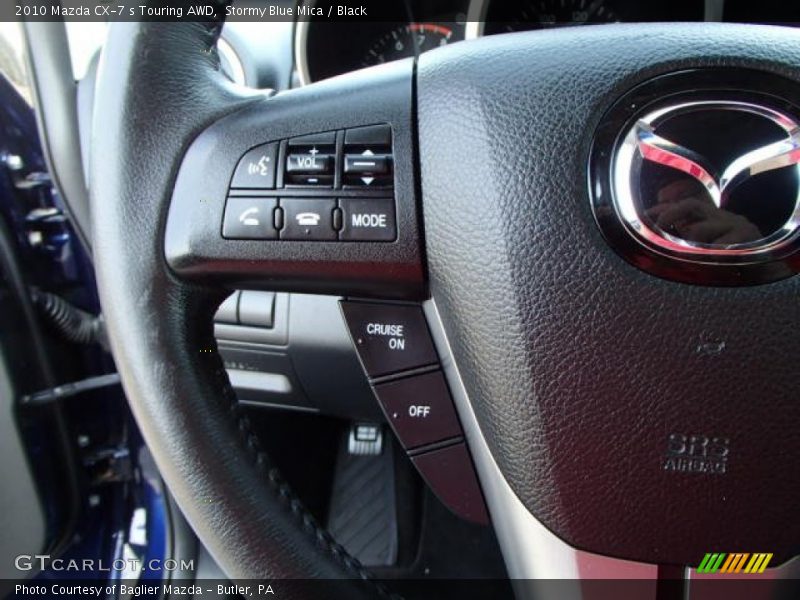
{"points": [[261, 460]]}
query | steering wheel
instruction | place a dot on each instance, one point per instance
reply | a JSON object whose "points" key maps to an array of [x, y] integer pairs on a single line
{"points": [[619, 399]]}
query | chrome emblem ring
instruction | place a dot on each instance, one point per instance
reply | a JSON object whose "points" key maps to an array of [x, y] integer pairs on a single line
{"points": [[710, 181]]}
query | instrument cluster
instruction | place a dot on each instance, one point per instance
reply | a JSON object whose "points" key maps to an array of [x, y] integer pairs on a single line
{"points": [[411, 27]]}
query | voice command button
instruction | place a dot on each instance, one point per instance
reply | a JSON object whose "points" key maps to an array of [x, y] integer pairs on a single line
{"points": [[256, 169]]}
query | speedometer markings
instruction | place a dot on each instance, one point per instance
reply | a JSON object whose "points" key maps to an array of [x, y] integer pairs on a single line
{"points": [[407, 40]]}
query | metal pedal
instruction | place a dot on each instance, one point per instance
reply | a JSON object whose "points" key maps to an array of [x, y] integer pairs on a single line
{"points": [[362, 515], [365, 439]]}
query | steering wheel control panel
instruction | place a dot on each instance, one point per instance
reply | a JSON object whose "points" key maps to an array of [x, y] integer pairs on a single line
{"points": [[316, 190], [398, 356], [329, 186]]}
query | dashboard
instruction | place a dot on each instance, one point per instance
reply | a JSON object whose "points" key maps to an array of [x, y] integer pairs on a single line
{"points": [[323, 49]]}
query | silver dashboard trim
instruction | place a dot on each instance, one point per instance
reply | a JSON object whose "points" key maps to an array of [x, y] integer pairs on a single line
{"points": [[301, 51], [476, 19], [234, 61], [531, 551]]}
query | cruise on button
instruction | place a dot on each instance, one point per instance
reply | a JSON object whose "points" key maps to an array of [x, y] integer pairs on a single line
{"points": [[389, 338]]}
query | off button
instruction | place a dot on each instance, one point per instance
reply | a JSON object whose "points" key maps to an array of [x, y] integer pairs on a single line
{"points": [[419, 409], [389, 338]]}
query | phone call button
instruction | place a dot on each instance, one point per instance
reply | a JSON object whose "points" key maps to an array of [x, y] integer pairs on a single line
{"points": [[249, 219], [308, 219]]}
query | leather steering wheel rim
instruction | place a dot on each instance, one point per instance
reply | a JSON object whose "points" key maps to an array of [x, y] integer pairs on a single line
{"points": [[158, 86]]}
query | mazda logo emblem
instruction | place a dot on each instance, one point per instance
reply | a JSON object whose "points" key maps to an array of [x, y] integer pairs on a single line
{"points": [[710, 180]]}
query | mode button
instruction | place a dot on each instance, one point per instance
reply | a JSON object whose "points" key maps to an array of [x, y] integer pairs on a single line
{"points": [[368, 220], [389, 338]]}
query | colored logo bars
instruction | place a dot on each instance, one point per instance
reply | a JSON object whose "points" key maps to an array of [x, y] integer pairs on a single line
{"points": [[734, 563]]}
